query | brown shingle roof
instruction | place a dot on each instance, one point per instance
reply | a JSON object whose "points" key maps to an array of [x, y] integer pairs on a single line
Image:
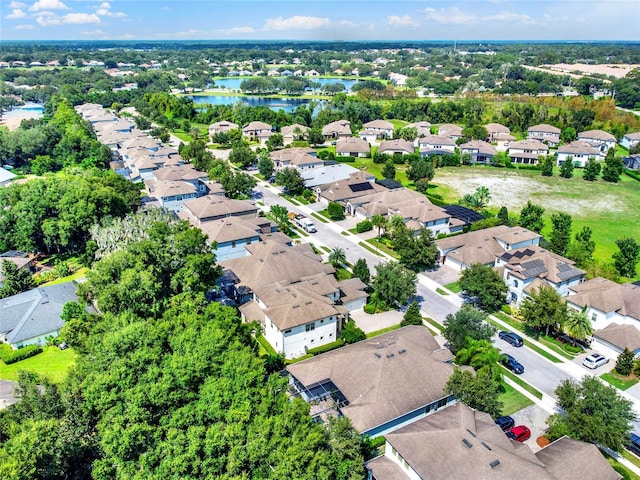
{"points": [[381, 387], [544, 127], [578, 148], [352, 145], [535, 261], [217, 205], [608, 296], [621, 335], [480, 146], [395, 145], [597, 135]]}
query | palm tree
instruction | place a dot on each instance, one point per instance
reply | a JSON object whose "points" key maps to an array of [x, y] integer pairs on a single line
{"points": [[481, 355], [337, 257], [396, 225], [379, 222], [578, 325]]}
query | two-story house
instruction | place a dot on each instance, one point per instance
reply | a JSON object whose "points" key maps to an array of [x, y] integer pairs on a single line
{"points": [[629, 140], [337, 129], [544, 133], [376, 129], [353, 147], [223, 126], [398, 145], [257, 131], [578, 152], [293, 132], [436, 145], [599, 139], [526, 269], [481, 152], [526, 152], [299, 158]]}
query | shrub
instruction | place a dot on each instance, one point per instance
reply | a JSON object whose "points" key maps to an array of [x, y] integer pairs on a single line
{"points": [[632, 174], [371, 309], [346, 159], [572, 348], [351, 333], [326, 348], [9, 355], [335, 211], [364, 226], [506, 309]]}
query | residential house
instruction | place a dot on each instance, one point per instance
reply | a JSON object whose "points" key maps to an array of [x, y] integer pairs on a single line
{"points": [[19, 259], [435, 145], [398, 145], [329, 173], [450, 130], [614, 338], [376, 129], [423, 128], [6, 177], [502, 141], [599, 139], [293, 132], [525, 269], [223, 126], [483, 246], [496, 131], [312, 73], [232, 235], [352, 147], [527, 152], [171, 186], [336, 130], [481, 152], [31, 317], [632, 162], [629, 140], [379, 383], [544, 133], [257, 131], [300, 158], [358, 184], [580, 152], [606, 301], [215, 207], [458, 442], [293, 295]]}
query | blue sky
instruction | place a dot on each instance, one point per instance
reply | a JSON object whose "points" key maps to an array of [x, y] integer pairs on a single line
{"points": [[320, 20]]}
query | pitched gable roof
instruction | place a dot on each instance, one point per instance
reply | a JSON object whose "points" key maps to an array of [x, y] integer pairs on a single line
{"points": [[621, 335], [608, 296], [535, 261]]}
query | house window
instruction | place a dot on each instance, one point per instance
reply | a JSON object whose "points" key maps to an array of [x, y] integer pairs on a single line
{"points": [[233, 244], [312, 340], [322, 321], [594, 317], [515, 283], [321, 338], [310, 327], [287, 331]]}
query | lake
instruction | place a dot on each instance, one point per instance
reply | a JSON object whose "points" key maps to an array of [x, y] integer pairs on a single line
{"points": [[233, 83], [286, 104]]}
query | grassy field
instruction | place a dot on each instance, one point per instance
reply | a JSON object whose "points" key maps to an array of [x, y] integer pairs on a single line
{"points": [[512, 400], [52, 363], [609, 209], [618, 381]]}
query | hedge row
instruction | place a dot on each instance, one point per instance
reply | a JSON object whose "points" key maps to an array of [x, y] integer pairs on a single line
{"points": [[9, 355], [364, 226], [326, 348], [632, 174]]}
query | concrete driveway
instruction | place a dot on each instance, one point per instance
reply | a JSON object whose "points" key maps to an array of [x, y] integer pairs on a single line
{"points": [[6, 393], [535, 418], [443, 275], [374, 322]]}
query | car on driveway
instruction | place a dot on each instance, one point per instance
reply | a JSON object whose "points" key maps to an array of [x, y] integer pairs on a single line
{"points": [[512, 338], [594, 361], [505, 422], [512, 364], [633, 443], [519, 433]]}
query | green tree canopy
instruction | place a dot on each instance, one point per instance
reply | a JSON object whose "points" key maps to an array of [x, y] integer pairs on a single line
{"points": [[291, 179], [484, 285], [16, 280], [394, 284], [531, 217], [544, 308], [418, 251], [351, 333], [592, 412], [560, 233], [361, 271], [476, 391], [468, 323], [626, 258], [412, 316]]}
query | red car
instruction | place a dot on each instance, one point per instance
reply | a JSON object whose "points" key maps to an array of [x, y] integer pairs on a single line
{"points": [[519, 433]]}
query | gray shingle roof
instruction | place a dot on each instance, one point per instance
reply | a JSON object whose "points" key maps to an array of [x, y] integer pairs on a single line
{"points": [[35, 312]]}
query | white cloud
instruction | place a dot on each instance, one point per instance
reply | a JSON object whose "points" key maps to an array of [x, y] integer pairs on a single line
{"points": [[104, 10], [189, 33], [17, 5], [454, 16], [47, 19], [48, 5], [405, 21], [16, 13], [449, 16], [235, 31], [25, 27], [297, 22], [93, 32]]}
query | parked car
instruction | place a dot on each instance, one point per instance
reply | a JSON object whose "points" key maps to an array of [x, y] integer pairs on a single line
{"points": [[519, 433], [512, 364], [505, 422], [633, 443], [594, 361], [512, 338]]}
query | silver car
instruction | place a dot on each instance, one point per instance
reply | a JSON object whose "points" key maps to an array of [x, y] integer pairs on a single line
{"points": [[594, 361]]}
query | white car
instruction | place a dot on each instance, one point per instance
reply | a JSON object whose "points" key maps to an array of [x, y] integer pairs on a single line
{"points": [[594, 361]]}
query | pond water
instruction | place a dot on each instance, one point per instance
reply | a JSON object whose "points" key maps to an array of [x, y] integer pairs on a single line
{"points": [[286, 104], [28, 110], [233, 83]]}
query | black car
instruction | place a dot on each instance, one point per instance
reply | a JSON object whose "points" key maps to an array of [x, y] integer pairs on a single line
{"points": [[512, 338], [512, 364], [633, 443], [505, 423]]}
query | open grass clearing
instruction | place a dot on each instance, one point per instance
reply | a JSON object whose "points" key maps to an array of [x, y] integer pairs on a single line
{"points": [[609, 209], [512, 400], [631, 457], [453, 287], [81, 273], [619, 381], [52, 363]]}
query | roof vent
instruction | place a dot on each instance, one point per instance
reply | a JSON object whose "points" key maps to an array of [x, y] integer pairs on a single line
{"points": [[377, 354], [309, 302], [467, 443], [295, 306], [380, 346], [391, 343], [470, 432], [404, 350], [390, 355], [486, 446], [494, 464]]}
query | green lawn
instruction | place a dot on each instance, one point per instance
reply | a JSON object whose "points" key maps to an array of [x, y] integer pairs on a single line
{"points": [[609, 209], [529, 388], [52, 363], [381, 246], [453, 287], [618, 381], [265, 347], [441, 291], [512, 400], [81, 273], [342, 274], [384, 330]]}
